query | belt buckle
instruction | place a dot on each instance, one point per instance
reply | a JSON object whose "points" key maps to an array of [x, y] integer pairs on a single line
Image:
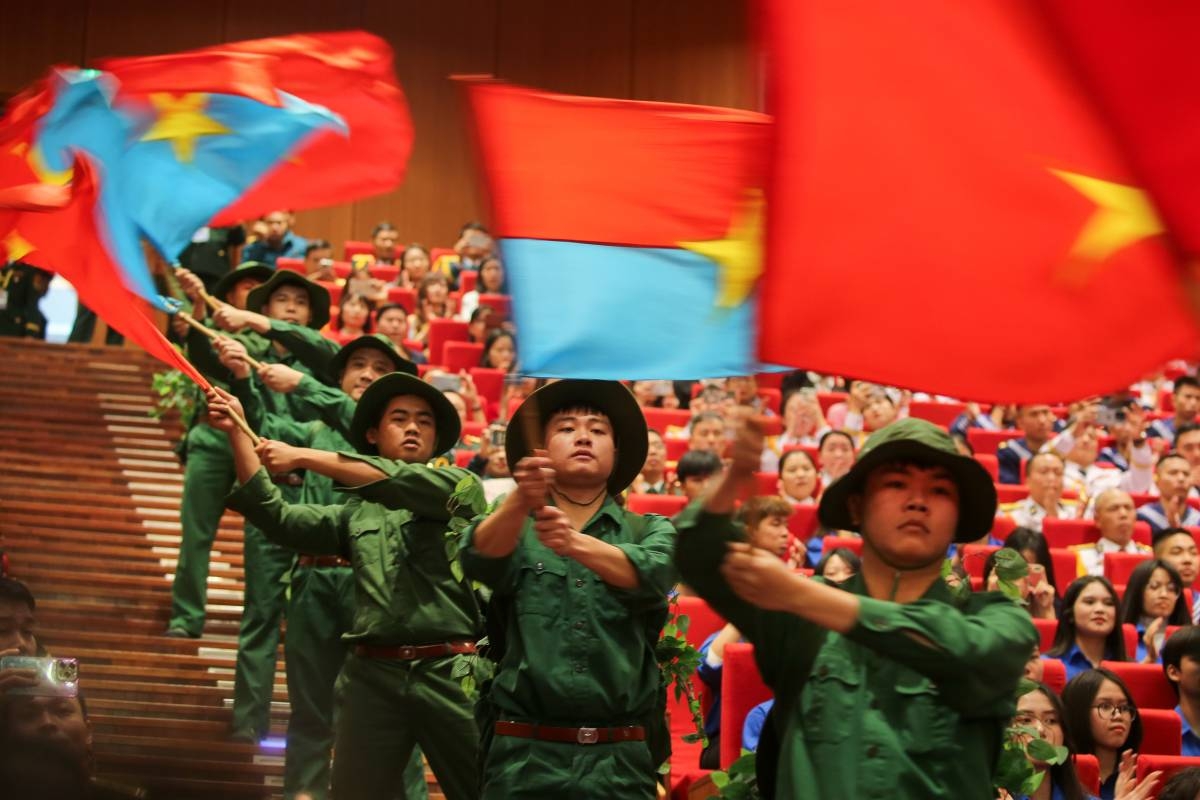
{"points": [[407, 652], [587, 736]]}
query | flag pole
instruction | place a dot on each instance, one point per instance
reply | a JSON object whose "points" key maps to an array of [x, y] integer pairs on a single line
{"points": [[213, 335]]}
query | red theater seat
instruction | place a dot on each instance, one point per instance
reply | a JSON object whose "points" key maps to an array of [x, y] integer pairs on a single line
{"points": [[461, 355], [982, 441], [488, 382], [666, 504], [1168, 764], [974, 556], [442, 331], [1066, 568], [991, 464], [1162, 731], [937, 413], [1119, 566], [1054, 674], [1146, 682], [828, 400], [1046, 629], [803, 522], [663, 418], [352, 248], [1071, 532], [1002, 527], [833, 542], [291, 264], [742, 688], [1087, 769]]}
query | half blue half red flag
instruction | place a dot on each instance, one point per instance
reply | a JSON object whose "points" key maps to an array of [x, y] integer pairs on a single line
{"points": [[630, 230], [950, 210]]}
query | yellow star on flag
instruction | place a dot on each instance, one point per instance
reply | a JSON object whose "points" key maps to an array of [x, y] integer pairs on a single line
{"points": [[44, 172], [182, 121], [738, 255], [1124, 215], [16, 247]]}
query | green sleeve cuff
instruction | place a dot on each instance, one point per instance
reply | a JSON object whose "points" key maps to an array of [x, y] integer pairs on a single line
{"points": [[247, 496]]}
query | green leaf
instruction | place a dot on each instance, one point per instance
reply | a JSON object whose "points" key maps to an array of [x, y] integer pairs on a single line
{"points": [[1010, 565], [456, 570], [744, 766], [682, 622], [468, 685], [461, 667], [719, 779], [1041, 750]]}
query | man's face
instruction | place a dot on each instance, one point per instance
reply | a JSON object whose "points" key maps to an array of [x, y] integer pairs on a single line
{"points": [[708, 434], [497, 464], [1180, 552], [837, 456], [313, 259], [290, 304], [1187, 675], [416, 264], [56, 719], [1086, 449], [908, 514], [392, 324], [406, 431], [644, 392], [1044, 477], [363, 368], [1173, 477], [1115, 515], [695, 485], [1187, 402], [743, 388], [278, 223], [17, 626], [1036, 422], [771, 534], [878, 413], [581, 447], [1188, 446], [236, 296], [656, 455], [385, 244], [460, 405]]}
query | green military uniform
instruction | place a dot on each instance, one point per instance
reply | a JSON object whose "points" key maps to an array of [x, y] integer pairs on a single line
{"points": [[578, 653], [22, 286], [913, 701], [405, 594]]}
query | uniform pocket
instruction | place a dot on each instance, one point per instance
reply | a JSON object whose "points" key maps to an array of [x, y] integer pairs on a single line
{"points": [[830, 696], [928, 725], [541, 588]]}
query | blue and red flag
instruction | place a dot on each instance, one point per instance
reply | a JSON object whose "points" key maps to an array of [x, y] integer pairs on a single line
{"points": [[630, 230]]}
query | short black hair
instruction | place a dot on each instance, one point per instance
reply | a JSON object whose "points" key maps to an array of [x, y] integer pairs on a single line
{"points": [[1183, 785], [707, 416], [697, 464], [1184, 380], [1183, 642], [386, 307], [845, 554], [1167, 533], [472, 225], [1183, 430], [316, 244], [825, 436], [1167, 456], [788, 455], [381, 227], [13, 591]]}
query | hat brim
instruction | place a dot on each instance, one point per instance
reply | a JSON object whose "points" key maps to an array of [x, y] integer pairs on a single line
{"points": [[609, 397], [976, 491], [318, 295], [375, 399], [337, 364], [260, 272]]}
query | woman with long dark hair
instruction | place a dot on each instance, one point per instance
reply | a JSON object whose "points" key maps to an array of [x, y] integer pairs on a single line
{"points": [[1041, 710], [1104, 722], [1088, 632], [1154, 600]]}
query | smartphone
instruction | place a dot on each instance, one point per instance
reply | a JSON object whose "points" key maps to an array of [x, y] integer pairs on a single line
{"points": [[445, 382], [497, 436], [57, 677]]}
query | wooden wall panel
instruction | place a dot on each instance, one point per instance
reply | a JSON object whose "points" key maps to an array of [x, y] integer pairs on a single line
{"points": [[694, 51], [579, 48], [432, 41], [38, 35], [262, 18], [150, 27]]}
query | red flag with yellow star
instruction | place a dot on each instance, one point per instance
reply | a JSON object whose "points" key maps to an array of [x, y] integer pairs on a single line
{"points": [[36, 236], [350, 73], [949, 211]]}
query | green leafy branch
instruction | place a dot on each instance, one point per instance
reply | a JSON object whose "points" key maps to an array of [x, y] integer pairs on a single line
{"points": [[175, 393], [677, 662], [740, 781]]}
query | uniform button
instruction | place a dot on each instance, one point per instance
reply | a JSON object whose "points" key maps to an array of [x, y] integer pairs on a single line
{"points": [[540, 567], [872, 751], [579, 583], [579, 625]]}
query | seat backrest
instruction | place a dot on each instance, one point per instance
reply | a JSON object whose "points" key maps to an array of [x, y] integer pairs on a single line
{"points": [[500, 303], [938, 413], [1162, 731], [703, 621], [1054, 674], [1087, 769], [489, 382], [803, 522], [983, 441], [662, 418], [1066, 568], [1046, 629], [1118, 566], [1130, 634], [352, 248], [1152, 762], [974, 556], [1147, 684], [766, 483], [989, 462], [1002, 527], [1069, 532], [407, 298], [442, 331], [666, 504], [1011, 492], [467, 280], [742, 688], [291, 264], [461, 355], [853, 543]]}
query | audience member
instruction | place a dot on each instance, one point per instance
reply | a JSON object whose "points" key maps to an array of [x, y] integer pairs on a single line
{"points": [[1088, 631], [499, 351], [1181, 665], [1173, 479], [1153, 600], [1185, 396], [278, 240], [1115, 517], [1044, 478], [1104, 722], [653, 477], [1036, 423], [836, 454], [491, 281]]}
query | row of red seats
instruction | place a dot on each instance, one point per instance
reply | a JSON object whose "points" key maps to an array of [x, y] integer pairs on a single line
{"points": [[354, 247]]}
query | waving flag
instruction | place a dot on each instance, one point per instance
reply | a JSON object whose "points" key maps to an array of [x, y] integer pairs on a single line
{"points": [[630, 230], [949, 209]]}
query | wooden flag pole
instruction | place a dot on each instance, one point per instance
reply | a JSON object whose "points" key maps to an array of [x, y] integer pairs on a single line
{"points": [[214, 335]]}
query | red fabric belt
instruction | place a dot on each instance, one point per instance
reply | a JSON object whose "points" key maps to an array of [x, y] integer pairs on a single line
{"points": [[406, 652], [322, 561], [547, 733]]}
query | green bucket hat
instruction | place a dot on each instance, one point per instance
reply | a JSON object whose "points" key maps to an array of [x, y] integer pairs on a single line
{"points": [[318, 295], [380, 393], [375, 341], [923, 443], [248, 269], [614, 400]]}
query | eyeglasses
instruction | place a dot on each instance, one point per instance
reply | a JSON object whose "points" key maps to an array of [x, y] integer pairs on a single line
{"points": [[1112, 712]]}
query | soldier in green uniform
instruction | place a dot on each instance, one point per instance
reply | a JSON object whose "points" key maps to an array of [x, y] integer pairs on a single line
{"points": [[22, 286], [321, 603], [289, 298], [413, 619], [208, 465], [885, 686], [580, 586]]}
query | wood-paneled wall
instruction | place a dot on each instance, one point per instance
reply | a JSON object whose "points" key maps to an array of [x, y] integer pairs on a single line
{"points": [[695, 51]]}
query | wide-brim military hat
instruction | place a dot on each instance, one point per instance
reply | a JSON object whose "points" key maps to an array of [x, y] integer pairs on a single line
{"points": [[318, 295], [249, 269], [609, 397], [374, 341], [375, 399], [923, 443]]}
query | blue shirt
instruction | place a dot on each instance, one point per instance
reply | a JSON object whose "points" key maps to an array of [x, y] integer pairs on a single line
{"points": [[752, 729], [1190, 745], [291, 246], [1074, 661], [1056, 792], [1155, 516], [1009, 456], [712, 679], [1111, 455]]}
